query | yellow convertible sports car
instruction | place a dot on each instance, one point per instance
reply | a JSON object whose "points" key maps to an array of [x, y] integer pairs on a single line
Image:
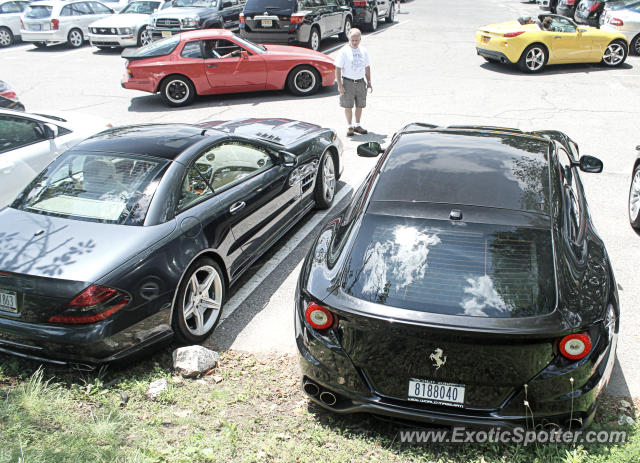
{"points": [[532, 44]]}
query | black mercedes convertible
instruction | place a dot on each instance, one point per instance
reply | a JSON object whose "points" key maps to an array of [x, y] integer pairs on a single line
{"points": [[464, 285], [134, 235]]}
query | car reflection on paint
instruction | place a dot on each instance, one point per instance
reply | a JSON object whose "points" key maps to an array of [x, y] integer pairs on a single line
{"points": [[135, 234], [463, 285]]}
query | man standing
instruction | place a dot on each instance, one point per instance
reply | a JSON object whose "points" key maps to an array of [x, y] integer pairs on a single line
{"points": [[352, 67]]}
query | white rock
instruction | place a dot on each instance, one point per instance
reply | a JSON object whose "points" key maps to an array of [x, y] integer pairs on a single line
{"points": [[629, 420], [194, 360], [625, 404], [156, 387]]}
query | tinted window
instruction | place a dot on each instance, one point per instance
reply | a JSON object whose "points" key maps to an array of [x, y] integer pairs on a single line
{"points": [[270, 5], [80, 9], [95, 187], [439, 267], [191, 50], [38, 11], [11, 7], [140, 8], [16, 132], [159, 48], [99, 8]]}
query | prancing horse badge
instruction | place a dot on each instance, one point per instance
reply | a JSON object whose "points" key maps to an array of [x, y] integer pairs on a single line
{"points": [[437, 357]]}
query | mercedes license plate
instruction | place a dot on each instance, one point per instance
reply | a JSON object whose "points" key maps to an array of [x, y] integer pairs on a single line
{"points": [[166, 33], [8, 301], [436, 393], [266, 23]]}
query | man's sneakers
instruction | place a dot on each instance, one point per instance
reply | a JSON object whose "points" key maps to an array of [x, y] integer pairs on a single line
{"points": [[353, 130]]}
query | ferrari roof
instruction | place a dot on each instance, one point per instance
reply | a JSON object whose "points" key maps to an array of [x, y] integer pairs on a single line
{"points": [[487, 167]]}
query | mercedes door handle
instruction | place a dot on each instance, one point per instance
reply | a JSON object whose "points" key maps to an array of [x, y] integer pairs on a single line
{"points": [[212, 65], [235, 207]]}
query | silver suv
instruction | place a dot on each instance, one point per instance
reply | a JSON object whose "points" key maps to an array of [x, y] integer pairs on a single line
{"points": [[10, 12], [49, 22]]}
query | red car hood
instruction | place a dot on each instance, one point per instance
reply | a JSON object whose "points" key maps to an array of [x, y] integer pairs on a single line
{"points": [[297, 52]]}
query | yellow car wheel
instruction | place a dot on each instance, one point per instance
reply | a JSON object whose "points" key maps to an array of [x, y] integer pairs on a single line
{"points": [[615, 53], [534, 58]]}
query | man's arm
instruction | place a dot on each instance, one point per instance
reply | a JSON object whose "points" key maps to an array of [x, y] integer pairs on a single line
{"points": [[339, 79], [367, 73]]}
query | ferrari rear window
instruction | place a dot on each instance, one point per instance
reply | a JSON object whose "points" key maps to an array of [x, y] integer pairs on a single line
{"points": [[466, 269], [38, 11], [95, 187]]}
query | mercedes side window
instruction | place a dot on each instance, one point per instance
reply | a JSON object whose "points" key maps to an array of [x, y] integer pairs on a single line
{"points": [[192, 50], [16, 132]]}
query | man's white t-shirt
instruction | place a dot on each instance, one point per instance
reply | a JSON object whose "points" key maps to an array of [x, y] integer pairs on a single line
{"points": [[352, 62]]}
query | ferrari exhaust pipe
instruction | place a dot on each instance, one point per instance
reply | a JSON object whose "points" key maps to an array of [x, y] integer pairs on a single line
{"points": [[310, 388], [328, 398]]}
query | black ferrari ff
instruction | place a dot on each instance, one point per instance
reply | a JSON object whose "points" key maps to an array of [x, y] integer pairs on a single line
{"points": [[463, 285], [134, 235]]}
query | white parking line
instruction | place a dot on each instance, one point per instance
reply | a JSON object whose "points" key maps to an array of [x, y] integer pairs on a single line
{"points": [[264, 271]]}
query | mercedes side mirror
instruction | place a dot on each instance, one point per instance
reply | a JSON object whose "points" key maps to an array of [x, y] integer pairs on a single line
{"points": [[370, 150], [590, 164], [287, 159]]}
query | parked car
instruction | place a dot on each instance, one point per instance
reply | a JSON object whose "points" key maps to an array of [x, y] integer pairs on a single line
{"points": [[463, 285], [367, 13], [549, 5], [125, 29], [634, 193], [188, 15], [9, 99], [589, 11], [58, 21], [532, 48], [566, 8], [10, 12], [295, 22], [625, 20], [28, 142], [136, 234], [217, 61]]}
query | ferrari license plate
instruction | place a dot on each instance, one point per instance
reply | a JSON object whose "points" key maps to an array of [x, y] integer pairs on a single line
{"points": [[266, 22], [436, 393], [485, 39], [166, 33], [8, 301]]}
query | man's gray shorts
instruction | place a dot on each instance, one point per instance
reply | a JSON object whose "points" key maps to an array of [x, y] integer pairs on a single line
{"points": [[355, 91]]}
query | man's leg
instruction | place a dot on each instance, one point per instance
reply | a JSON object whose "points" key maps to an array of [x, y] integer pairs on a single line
{"points": [[347, 113], [358, 114]]}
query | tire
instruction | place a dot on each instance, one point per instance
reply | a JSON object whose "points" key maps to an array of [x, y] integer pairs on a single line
{"points": [[144, 37], [40, 44], [325, 189], [6, 37], [392, 14], [344, 35], [75, 39], [615, 54], [314, 39], [533, 59], [635, 45], [303, 80], [373, 25], [177, 91], [634, 199], [198, 302]]}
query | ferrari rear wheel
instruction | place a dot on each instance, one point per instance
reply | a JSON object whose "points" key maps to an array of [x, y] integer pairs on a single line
{"points": [[533, 58], [177, 91], [325, 189], [303, 80], [634, 199], [615, 53]]}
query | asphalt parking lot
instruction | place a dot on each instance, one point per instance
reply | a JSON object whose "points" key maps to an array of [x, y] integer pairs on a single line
{"points": [[424, 68]]}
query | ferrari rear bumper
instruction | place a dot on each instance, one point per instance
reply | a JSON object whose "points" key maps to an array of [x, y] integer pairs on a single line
{"points": [[493, 55]]}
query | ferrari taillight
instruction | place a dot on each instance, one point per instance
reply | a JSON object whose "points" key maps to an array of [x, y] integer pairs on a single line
{"points": [[318, 316], [575, 346], [513, 34], [616, 22]]}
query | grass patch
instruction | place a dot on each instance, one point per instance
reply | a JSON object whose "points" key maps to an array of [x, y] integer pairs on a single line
{"points": [[250, 410]]}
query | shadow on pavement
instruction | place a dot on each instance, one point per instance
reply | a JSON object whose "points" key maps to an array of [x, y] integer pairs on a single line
{"points": [[512, 69], [371, 136]]}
